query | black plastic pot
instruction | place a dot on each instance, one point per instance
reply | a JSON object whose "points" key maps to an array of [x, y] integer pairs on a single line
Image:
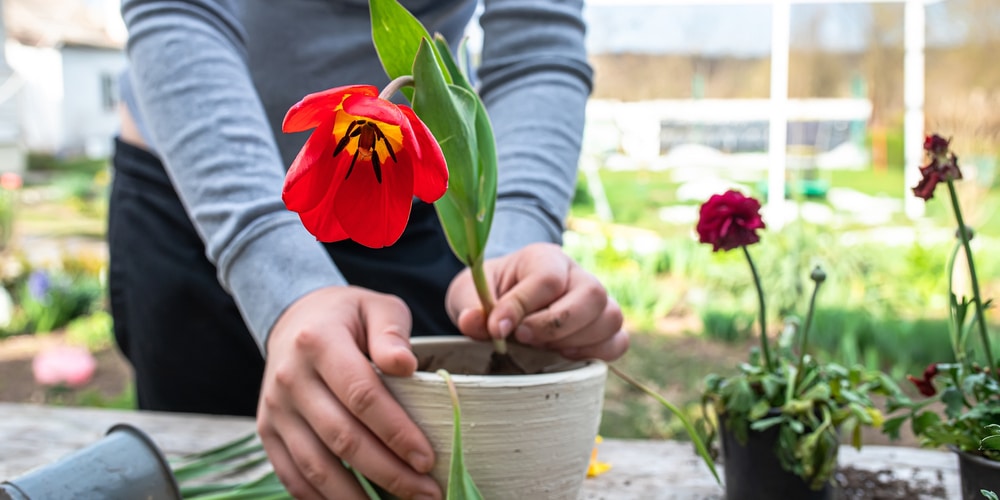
{"points": [[754, 472], [124, 464], [977, 473]]}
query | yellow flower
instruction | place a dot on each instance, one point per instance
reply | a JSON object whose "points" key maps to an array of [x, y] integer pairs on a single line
{"points": [[596, 467], [877, 417]]}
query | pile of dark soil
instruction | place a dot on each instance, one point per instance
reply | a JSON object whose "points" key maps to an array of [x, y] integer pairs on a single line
{"points": [[857, 484]]}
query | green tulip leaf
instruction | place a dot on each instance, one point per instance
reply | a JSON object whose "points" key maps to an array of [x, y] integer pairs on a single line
{"points": [[450, 112], [397, 34], [486, 167], [699, 444], [460, 483], [457, 75]]}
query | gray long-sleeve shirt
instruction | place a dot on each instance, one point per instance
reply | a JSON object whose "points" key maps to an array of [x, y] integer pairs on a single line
{"points": [[211, 80]]}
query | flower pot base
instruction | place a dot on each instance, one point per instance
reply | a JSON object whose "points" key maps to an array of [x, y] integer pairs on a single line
{"points": [[977, 473], [524, 436], [753, 471]]}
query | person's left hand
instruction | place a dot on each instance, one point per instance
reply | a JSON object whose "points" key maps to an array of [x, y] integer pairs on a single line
{"points": [[547, 300]]}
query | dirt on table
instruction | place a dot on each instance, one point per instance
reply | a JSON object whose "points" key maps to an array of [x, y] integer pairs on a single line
{"points": [[860, 484]]}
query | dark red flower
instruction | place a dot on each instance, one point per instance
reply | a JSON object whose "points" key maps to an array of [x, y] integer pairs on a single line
{"points": [[930, 177], [729, 220], [358, 172], [942, 166], [936, 145], [926, 384]]}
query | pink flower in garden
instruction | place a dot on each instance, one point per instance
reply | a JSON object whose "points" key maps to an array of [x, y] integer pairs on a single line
{"points": [[63, 365], [10, 181], [729, 220]]}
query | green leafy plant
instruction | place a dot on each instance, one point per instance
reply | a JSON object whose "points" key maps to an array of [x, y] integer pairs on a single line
{"points": [[46, 300], [968, 391], [784, 387]]}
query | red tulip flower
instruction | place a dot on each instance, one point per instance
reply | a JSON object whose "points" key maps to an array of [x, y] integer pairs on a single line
{"points": [[358, 172], [729, 220]]}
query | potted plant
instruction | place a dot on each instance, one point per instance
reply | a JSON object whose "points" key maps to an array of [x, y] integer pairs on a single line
{"points": [[496, 384], [961, 407], [781, 416]]}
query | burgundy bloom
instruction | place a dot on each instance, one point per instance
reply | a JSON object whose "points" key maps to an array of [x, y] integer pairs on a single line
{"points": [[926, 385], [942, 166], [936, 145], [729, 220], [929, 180]]}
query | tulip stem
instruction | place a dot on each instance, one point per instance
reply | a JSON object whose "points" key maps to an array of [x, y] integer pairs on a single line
{"points": [[395, 85], [973, 280], [486, 299], [764, 346]]}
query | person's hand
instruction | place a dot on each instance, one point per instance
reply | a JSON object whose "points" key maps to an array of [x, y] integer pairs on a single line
{"points": [[322, 402], [547, 300]]}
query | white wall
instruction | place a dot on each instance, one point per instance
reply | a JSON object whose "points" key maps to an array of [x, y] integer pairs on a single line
{"points": [[41, 95], [90, 89], [65, 108]]}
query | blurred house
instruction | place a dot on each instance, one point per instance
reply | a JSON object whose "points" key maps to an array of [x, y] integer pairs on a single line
{"points": [[11, 151], [66, 57]]}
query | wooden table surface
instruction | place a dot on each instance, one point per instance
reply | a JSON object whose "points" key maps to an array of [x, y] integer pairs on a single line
{"points": [[31, 436]]}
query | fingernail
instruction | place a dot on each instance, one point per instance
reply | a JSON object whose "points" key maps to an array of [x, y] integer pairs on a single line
{"points": [[420, 462], [570, 352], [506, 325], [524, 335]]}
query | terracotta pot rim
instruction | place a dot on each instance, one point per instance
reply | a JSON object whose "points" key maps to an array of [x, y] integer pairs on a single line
{"points": [[575, 370]]}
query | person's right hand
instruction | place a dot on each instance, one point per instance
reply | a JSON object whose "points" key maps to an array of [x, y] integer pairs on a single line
{"points": [[322, 402]]}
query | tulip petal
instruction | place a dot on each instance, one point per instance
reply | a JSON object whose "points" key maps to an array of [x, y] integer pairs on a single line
{"points": [[373, 108], [430, 175], [321, 223], [374, 214], [319, 107], [311, 176]]}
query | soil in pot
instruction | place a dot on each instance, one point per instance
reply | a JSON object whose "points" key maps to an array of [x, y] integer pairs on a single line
{"points": [[475, 358]]}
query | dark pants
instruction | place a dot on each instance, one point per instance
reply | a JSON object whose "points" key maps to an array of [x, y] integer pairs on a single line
{"points": [[185, 338]]}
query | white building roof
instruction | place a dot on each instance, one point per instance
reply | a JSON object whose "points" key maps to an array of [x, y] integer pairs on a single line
{"points": [[56, 23]]}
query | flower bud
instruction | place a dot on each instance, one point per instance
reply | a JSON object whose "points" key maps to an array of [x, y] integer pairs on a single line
{"points": [[818, 275]]}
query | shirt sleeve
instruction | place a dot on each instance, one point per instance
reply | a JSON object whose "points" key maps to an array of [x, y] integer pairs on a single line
{"points": [[535, 81], [188, 67]]}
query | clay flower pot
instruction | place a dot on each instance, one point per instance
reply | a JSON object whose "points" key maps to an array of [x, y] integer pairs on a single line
{"points": [[524, 436]]}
